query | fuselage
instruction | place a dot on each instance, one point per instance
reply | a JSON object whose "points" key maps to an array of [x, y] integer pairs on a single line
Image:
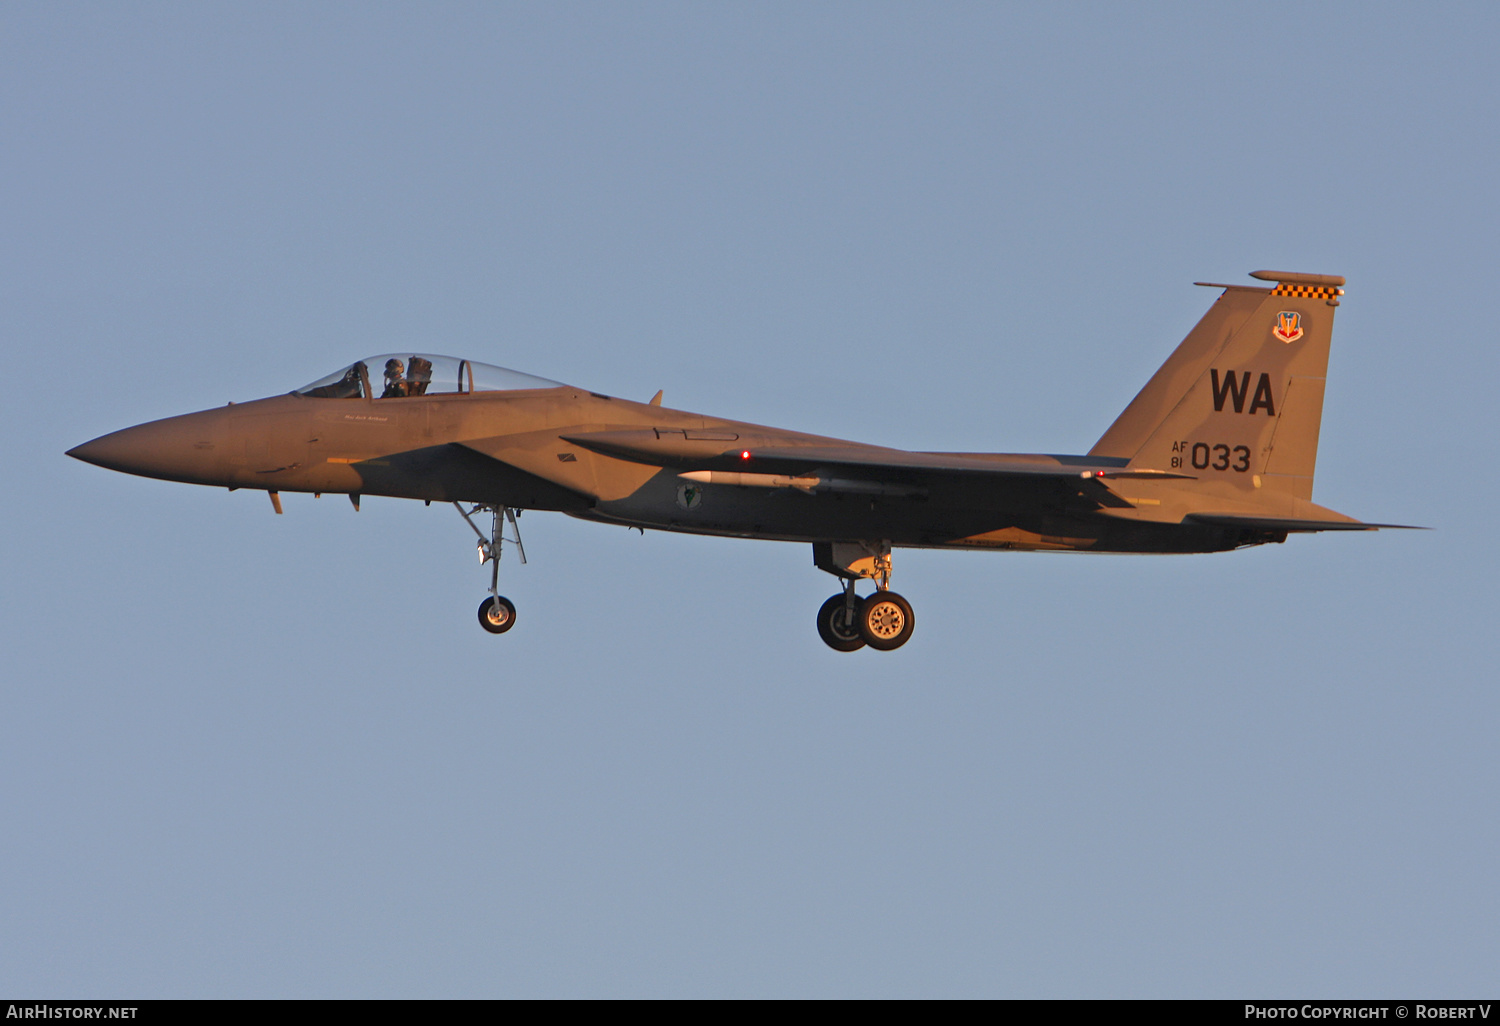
{"points": [[513, 448]]}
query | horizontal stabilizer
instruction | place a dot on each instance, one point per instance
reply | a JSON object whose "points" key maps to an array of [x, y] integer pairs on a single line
{"points": [[1259, 523]]}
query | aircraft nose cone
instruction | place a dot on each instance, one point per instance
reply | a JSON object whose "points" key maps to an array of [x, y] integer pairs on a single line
{"points": [[119, 450], [177, 449]]}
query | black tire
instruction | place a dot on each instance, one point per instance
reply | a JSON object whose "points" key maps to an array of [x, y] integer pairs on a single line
{"points": [[838, 631], [500, 618], [886, 621]]}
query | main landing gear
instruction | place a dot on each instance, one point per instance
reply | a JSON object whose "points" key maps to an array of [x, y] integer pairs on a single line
{"points": [[497, 614], [846, 622]]}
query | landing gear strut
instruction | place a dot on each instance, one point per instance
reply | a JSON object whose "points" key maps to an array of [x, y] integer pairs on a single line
{"points": [[838, 620], [497, 614], [846, 622]]}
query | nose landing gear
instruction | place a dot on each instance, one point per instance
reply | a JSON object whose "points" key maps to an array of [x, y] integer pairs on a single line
{"points": [[497, 614], [846, 622]]}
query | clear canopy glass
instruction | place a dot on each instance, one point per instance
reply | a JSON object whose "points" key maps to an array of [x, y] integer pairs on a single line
{"points": [[399, 375]]}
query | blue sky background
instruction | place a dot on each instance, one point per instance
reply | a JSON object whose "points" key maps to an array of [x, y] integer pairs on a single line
{"points": [[249, 755]]}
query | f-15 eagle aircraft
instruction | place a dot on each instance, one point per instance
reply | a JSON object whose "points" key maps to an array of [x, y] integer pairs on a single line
{"points": [[1216, 452]]}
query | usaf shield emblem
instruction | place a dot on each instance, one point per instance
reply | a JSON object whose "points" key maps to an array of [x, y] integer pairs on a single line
{"points": [[1288, 326]]}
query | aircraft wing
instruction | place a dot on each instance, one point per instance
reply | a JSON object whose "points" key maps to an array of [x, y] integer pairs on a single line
{"points": [[877, 459], [709, 452], [1080, 483], [864, 469]]}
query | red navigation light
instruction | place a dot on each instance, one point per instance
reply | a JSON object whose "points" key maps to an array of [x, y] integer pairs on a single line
{"points": [[745, 455]]}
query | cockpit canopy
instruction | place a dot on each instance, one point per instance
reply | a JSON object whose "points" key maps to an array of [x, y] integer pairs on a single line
{"points": [[398, 375]]}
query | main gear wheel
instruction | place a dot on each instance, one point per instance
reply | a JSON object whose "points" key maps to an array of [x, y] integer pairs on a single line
{"points": [[838, 624], [885, 621]]}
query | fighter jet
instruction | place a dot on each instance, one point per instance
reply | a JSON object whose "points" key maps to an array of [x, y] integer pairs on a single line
{"points": [[1216, 452]]}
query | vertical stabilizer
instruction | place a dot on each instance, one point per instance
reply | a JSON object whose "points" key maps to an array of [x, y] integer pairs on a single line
{"points": [[1241, 400]]}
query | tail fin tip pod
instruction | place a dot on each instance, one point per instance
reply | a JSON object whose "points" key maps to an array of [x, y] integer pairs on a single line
{"points": [[1240, 401]]}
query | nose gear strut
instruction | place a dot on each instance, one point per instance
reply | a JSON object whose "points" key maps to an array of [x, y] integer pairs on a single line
{"points": [[497, 614]]}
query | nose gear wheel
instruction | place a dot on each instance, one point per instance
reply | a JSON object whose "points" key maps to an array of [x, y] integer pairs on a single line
{"points": [[497, 614]]}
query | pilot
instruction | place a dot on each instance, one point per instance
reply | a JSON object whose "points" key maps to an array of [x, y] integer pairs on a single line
{"points": [[419, 375], [346, 387], [395, 385]]}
